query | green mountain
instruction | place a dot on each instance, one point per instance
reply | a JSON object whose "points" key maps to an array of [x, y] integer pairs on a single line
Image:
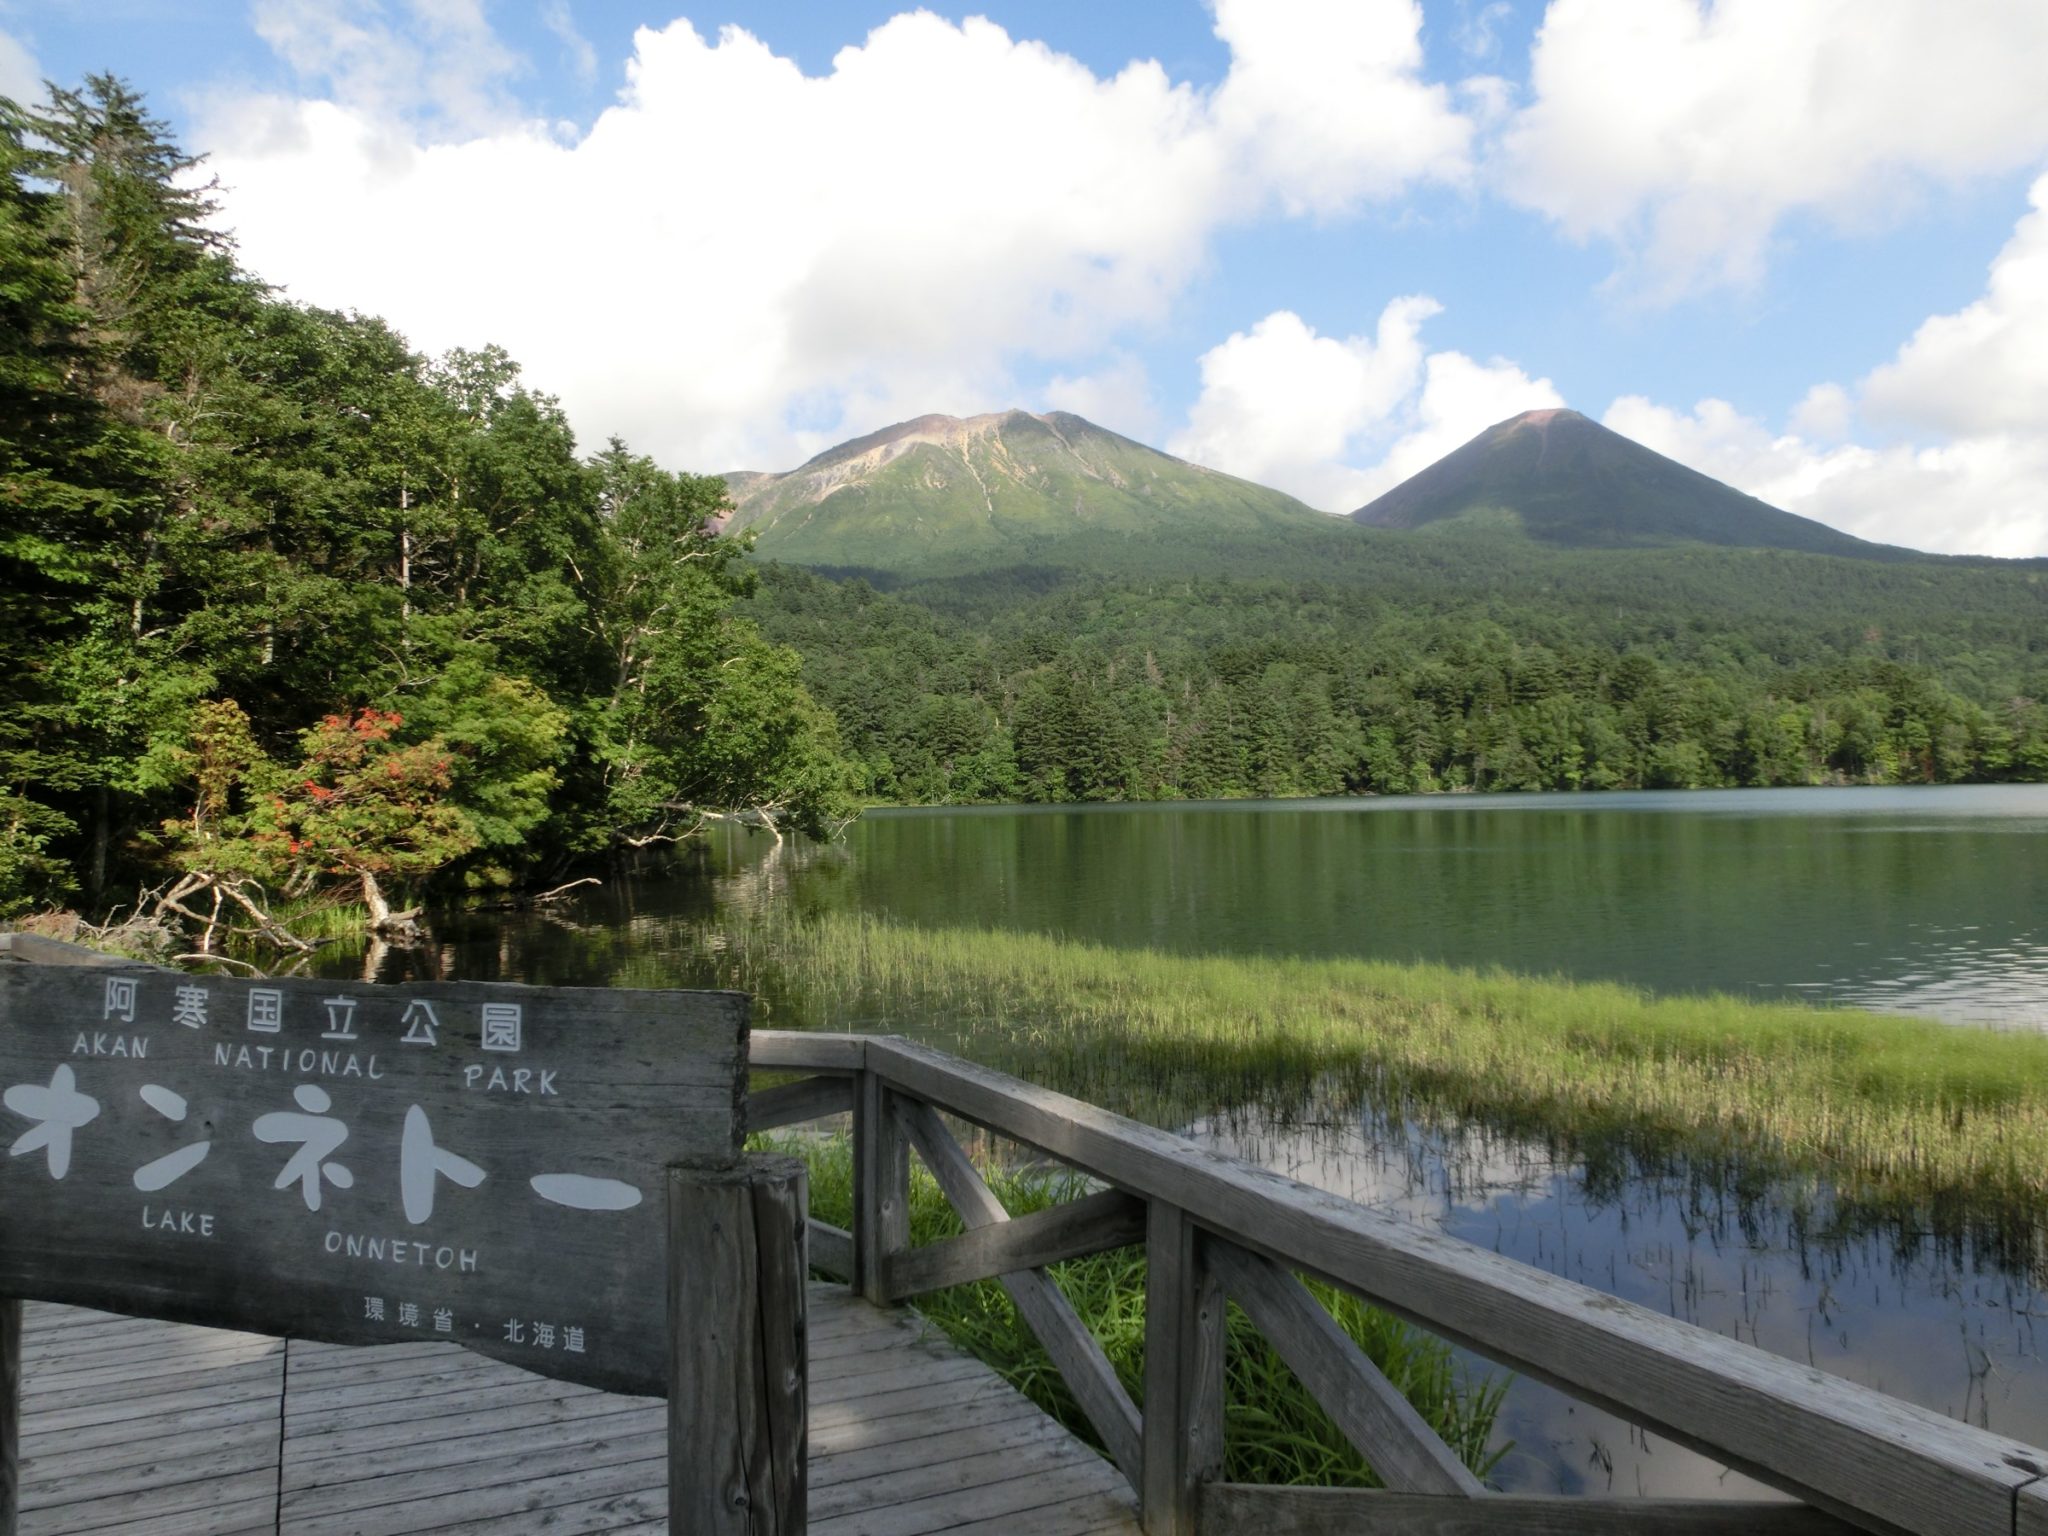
{"points": [[1563, 479], [943, 493], [1053, 613]]}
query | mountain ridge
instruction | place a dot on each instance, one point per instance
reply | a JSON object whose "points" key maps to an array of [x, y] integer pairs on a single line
{"points": [[1562, 478], [1000, 486]]}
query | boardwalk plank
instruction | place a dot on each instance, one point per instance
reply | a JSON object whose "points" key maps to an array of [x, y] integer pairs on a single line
{"points": [[1008, 1501], [139, 1428], [207, 1505], [321, 1457]]}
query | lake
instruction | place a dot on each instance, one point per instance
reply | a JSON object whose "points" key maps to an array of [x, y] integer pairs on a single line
{"points": [[1930, 901], [1926, 901]]}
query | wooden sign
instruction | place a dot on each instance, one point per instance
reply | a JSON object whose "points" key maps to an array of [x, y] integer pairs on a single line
{"points": [[460, 1162]]}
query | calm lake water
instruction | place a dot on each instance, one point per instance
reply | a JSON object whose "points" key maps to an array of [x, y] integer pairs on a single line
{"points": [[1930, 901], [1925, 901]]}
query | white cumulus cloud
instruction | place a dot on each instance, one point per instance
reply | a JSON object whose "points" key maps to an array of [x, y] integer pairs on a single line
{"points": [[555, 16], [1688, 132], [1117, 395], [1337, 420], [1326, 103], [737, 261], [444, 67], [21, 78], [1984, 368], [1984, 495], [1966, 468]]}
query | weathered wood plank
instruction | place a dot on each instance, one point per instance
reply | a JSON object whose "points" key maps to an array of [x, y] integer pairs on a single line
{"points": [[10, 1414], [175, 1502], [920, 1399], [119, 1433], [581, 1517], [831, 1250], [904, 1373], [59, 1459], [737, 1405], [202, 1465], [147, 1354], [446, 1484], [1801, 1430], [812, 1098], [840, 1451], [1051, 1317], [1229, 1509], [501, 1503], [252, 1513], [1072, 1230], [807, 1051], [881, 1190], [2030, 1510], [956, 1475], [1380, 1423], [840, 1346], [543, 1457], [1089, 1514], [1009, 1501], [358, 1163], [610, 1513], [196, 1398], [1184, 1359], [316, 1455], [451, 1376], [860, 1466], [220, 1359]]}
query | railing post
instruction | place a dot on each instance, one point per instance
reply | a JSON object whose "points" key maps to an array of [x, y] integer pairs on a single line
{"points": [[738, 1372], [10, 1414], [1183, 1424], [881, 1189]]}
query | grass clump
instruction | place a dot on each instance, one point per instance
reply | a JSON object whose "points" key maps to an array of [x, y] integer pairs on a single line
{"points": [[1876, 1105], [1275, 1432]]}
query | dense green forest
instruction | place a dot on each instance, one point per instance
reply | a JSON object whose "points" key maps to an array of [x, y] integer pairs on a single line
{"points": [[288, 605], [1397, 663]]}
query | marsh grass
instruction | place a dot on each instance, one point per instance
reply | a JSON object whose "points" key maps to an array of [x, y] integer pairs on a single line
{"points": [[1275, 1432], [1878, 1107]]}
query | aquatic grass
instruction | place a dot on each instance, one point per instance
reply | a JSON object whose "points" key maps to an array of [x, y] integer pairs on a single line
{"points": [[1879, 1106], [1274, 1430]]}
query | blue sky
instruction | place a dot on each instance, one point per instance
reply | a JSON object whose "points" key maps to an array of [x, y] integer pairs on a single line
{"points": [[1795, 243]]}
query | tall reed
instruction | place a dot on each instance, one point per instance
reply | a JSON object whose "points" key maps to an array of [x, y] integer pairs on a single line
{"points": [[1876, 1105]]}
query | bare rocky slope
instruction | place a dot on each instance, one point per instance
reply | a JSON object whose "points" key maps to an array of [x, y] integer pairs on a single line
{"points": [[1004, 488]]}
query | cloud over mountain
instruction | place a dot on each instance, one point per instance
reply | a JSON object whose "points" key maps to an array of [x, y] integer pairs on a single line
{"points": [[1336, 420], [1963, 399], [739, 261]]}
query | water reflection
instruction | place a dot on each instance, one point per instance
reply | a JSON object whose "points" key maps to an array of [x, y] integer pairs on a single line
{"points": [[1931, 902], [1945, 1320]]}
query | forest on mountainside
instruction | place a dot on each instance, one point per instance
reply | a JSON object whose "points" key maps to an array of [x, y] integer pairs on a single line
{"points": [[288, 606], [1481, 662]]}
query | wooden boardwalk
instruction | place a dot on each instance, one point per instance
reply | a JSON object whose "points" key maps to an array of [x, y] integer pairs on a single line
{"points": [[141, 1428]]}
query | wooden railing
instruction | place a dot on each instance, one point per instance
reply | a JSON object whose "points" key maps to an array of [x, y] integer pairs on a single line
{"points": [[1215, 1227]]}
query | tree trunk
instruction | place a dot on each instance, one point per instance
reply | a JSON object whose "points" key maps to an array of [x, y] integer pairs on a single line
{"points": [[373, 898], [97, 876], [404, 555]]}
